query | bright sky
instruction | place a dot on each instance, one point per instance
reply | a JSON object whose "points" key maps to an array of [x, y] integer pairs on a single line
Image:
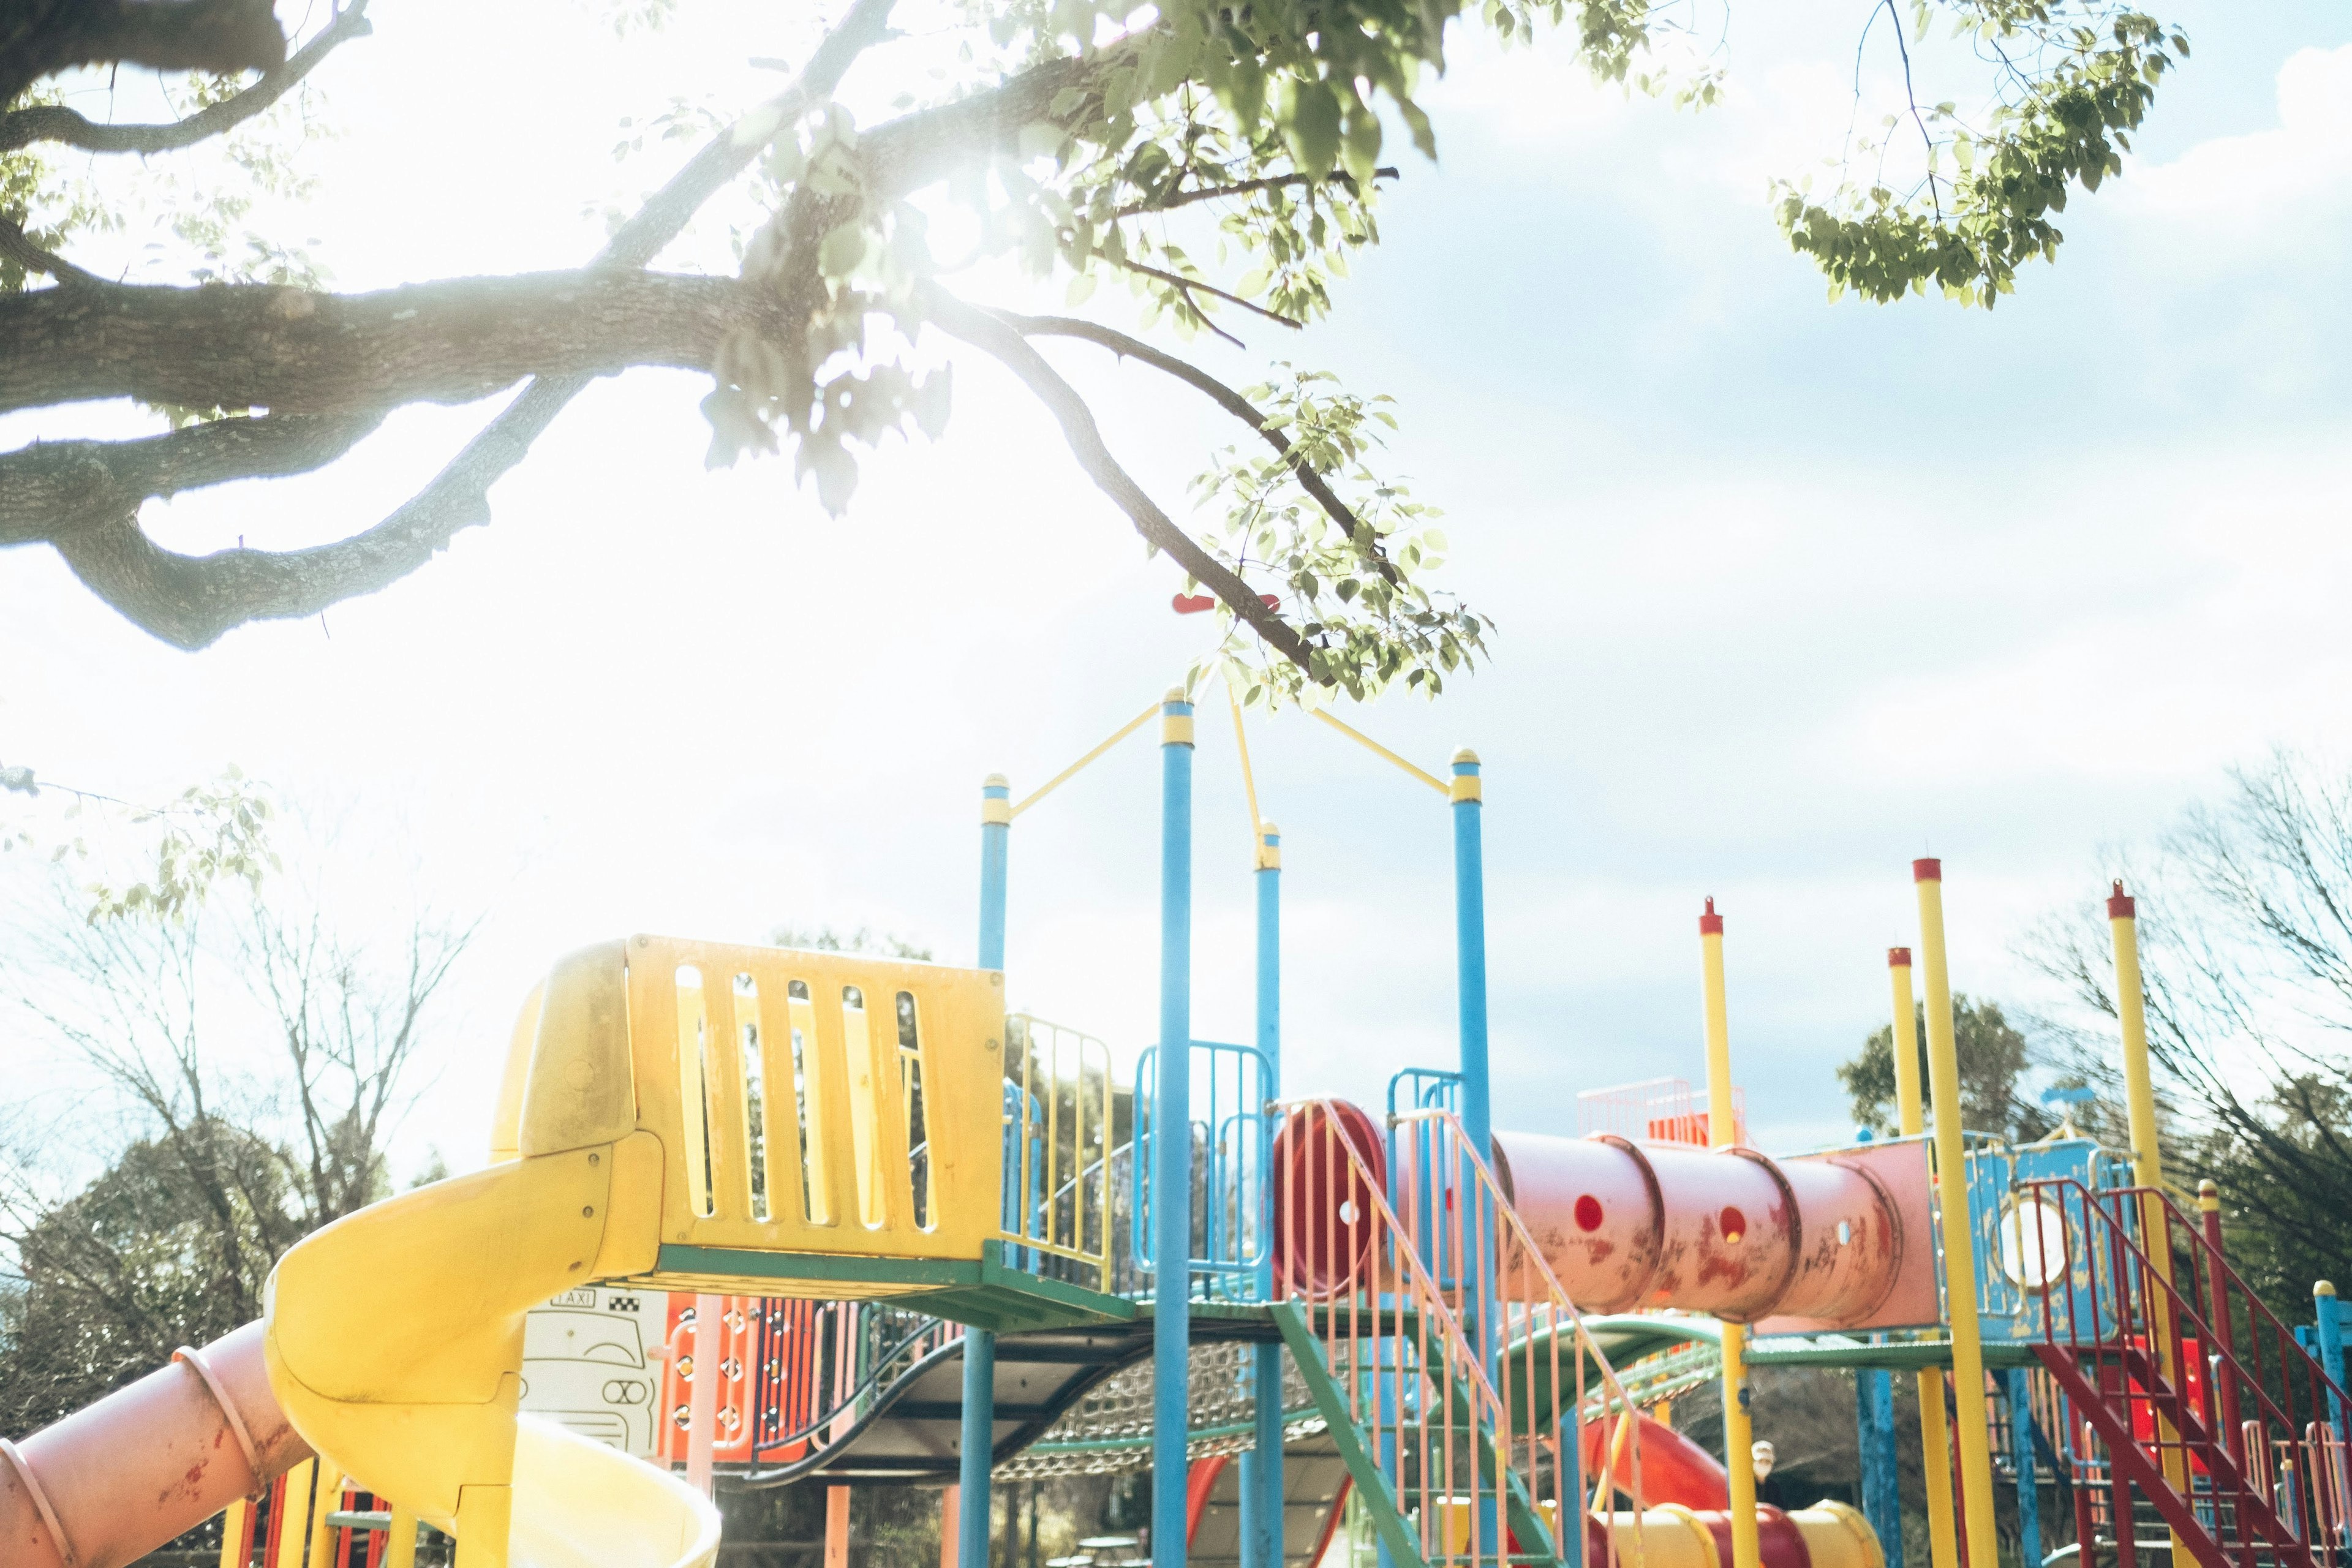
{"points": [[1790, 592]]}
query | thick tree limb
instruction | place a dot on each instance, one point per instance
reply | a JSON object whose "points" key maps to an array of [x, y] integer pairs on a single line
{"points": [[18, 247], [52, 489], [42, 38], [55, 122], [997, 339], [295, 352], [190, 601], [1226, 397]]}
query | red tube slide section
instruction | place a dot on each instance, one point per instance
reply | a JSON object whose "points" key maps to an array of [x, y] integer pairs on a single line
{"points": [[1673, 1468], [111, 1483]]}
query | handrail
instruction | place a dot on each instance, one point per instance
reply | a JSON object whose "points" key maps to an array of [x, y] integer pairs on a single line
{"points": [[1384, 1287], [2151, 1319], [1523, 1286], [890, 1365]]}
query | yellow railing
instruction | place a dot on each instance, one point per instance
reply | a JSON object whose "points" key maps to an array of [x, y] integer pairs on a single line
{"points": [[1059, 1111]]}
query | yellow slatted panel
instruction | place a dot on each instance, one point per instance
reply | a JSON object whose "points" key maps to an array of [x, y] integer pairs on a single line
{"points": [[863, 1202]]}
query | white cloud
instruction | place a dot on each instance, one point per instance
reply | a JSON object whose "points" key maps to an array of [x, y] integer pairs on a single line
{"points": [[2275, 194]]}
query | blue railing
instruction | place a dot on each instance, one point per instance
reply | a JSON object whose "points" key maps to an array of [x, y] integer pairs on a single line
{"points": [[1231, 1137]]}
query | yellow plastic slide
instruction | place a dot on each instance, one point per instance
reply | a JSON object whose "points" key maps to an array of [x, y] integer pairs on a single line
{"points": [[579, 1504], [627, 1133]]}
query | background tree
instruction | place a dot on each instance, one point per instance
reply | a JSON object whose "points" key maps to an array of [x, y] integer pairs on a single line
{"points": [[2245, 926], [1993, 1059], [1222, 162], [252, 1056]]}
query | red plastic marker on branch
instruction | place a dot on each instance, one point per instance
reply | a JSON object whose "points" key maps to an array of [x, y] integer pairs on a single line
{"points": [[1193, 603]]}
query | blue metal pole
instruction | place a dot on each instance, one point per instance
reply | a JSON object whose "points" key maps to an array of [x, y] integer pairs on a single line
{"points": [[1881, 1505], [979, 1437], [978, 1449], [1477, 1125], [995, 844], [1470, 948], [1263, 1518], [2020, 1449], [1171, 1116], [2328, 1311]]}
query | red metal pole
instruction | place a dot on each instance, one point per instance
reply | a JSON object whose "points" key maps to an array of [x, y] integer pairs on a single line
{"points": [[2208, 1207]]}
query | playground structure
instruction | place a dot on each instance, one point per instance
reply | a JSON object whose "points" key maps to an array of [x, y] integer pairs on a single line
{"points": [[889, 1231]]}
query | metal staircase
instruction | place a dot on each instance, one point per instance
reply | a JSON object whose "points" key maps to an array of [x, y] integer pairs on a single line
{"points": [[2188, 1394]]}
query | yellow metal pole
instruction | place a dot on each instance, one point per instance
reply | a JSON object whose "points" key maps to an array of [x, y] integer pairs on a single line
{"points": [[234, 1525], [326, 1496], [2148, 1157], [2140, 1092], [400, 1547], [1959, 1243], [1934, 1432], [1722, 1131], [1432, 780]]}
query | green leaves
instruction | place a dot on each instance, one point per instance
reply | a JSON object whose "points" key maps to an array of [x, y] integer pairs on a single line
{"points": [[1356, 585], [2079, 77], [213, 833]]}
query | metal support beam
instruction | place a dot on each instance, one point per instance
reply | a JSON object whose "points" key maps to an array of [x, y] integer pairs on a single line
{"points": [[1263, 1516], [1172, 1116]]}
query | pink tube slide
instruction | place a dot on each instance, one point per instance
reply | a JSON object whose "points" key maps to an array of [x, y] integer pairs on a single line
{"points": [[111, 1483]]}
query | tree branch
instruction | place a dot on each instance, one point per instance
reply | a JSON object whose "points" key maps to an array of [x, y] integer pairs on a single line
{"points": [[1226, 397], [1241, 188], [52, 489], [295, 352], [666, 214], [42, 38], [190, 601], [55, 122], [18, 247], [997, 338], [1188, 284]]}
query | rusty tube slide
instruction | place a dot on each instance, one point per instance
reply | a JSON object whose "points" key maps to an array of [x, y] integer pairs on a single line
{"points": [[1729, 1232], [1632, 1227], [111, 1483]]}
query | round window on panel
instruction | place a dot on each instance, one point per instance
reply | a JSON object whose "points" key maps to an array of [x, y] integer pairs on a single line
{"points": [[2033, 1244]]}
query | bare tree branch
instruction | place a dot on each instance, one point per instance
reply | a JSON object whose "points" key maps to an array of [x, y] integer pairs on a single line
{"points": [[997, 338], [55, 122], [1226, 397]]}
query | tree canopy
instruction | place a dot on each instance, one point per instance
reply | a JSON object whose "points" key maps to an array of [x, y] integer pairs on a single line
{"points": [[2246, 929], [1223, 163], [1993, 1057]]}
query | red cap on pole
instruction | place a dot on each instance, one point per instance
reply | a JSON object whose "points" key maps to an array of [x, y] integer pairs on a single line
{"points": [[1926, 870], [1710, 923], [2119, 908], [1898, 958]]}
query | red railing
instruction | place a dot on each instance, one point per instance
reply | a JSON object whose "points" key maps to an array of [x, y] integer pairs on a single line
{"points": [[2202, 1399], [1426, 1317]]}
